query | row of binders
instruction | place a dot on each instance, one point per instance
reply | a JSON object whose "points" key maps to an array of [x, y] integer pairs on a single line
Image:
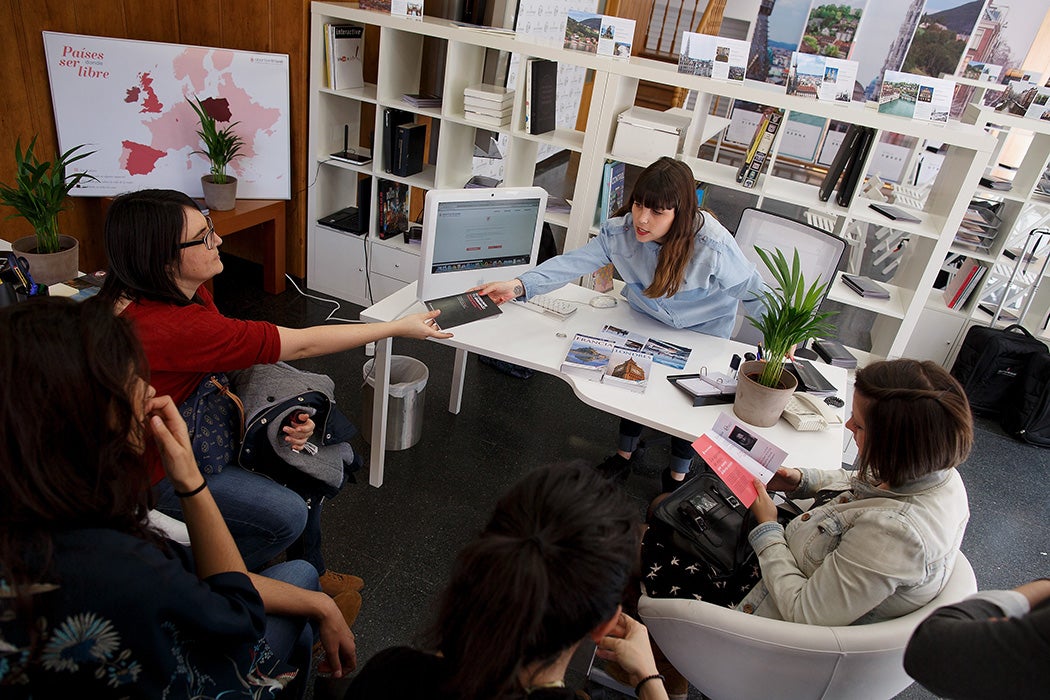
{"points": [[848, 164]]}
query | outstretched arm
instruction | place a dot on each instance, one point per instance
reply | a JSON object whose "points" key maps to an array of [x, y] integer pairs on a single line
{"points": [[989, 645], [297, 343]]}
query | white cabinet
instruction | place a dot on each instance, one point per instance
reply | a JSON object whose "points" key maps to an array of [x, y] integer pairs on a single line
{"points": [[338, 264], [615, 86]]}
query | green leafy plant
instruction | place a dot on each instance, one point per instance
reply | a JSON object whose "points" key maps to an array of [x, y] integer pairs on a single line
{"points": [[221, 146], [790, 314], [40, 191]]}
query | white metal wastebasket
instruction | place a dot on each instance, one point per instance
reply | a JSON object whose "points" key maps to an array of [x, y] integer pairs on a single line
{"points": [[408, 388]]}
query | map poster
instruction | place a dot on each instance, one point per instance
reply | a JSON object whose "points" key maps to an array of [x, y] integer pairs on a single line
{"points": [[129, 102]]}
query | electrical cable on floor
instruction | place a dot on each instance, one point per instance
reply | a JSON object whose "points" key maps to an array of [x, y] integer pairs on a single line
{"points": [[332, 315]]}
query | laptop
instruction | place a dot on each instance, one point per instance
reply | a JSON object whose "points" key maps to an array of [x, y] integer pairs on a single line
{"points": [[353, 219]]}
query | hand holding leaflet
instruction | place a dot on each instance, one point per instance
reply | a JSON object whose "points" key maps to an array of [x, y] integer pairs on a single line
{"points": [[739, 456]]}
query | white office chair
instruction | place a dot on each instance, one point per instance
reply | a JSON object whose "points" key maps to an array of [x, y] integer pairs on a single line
{"points": [[729, 655], [819, 252]]}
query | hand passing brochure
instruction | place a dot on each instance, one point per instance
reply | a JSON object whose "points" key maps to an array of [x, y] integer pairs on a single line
{"points": [[739, 456]]}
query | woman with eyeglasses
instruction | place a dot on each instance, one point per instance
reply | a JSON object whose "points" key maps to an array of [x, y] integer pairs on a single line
{"points": [[161, 250]]}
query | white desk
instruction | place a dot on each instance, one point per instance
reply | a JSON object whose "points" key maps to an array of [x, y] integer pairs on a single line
{"points": [[530, 339]]}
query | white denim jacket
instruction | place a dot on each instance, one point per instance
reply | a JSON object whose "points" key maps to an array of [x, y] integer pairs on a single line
{"points": [[870, 554]]}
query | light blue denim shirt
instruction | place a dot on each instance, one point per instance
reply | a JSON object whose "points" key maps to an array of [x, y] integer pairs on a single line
{"points": [[870, 554], [715, 280]]}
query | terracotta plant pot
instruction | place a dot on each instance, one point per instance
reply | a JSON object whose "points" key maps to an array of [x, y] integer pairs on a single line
{"points": [[50, 268], [761, 405], [219, 197]]}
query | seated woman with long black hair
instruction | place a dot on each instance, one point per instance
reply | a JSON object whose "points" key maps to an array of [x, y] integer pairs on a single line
{"points": [[93, 602], [548, 571]]}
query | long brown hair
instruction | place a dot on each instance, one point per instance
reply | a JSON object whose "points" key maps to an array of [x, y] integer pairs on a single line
{"points": [[917, 421], [669, 184], [66, 416], [551, 565]]}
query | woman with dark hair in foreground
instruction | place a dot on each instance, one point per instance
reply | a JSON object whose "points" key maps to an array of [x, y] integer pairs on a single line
{"points": [[93, 602], [548, 571]]}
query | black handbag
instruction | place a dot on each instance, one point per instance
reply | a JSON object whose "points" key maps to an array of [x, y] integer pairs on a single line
{"points": [[705, 520]]}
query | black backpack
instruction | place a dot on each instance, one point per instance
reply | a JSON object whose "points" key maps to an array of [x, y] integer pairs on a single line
{"points": [[1026, 415], [990, 362]]}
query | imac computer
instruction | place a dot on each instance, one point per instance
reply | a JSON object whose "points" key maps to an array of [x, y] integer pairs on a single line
{"points": [[475, 236]]}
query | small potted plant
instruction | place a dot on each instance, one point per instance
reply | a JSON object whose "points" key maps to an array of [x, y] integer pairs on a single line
{"points": [[790, 316], [38, 195], [221, 146]]}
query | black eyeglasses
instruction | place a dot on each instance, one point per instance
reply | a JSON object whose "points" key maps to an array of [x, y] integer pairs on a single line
{"points": [[209, 238]]}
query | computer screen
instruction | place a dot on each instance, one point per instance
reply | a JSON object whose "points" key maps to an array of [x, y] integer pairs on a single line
{"points": [[474, 236]]}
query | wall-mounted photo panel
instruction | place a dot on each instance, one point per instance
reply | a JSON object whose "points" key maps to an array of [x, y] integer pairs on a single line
{"points": [[831, 28], [775, 38]]}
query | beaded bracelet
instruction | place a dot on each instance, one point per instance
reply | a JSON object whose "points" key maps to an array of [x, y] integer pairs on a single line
{"points": [[638, 688], [194, 492]]}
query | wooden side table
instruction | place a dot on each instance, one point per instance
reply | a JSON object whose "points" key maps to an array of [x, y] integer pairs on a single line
{"points": [[266, 214], [269, 216]]}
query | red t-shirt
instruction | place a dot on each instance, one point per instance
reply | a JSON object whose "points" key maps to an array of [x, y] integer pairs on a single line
{"points": [[184, 344]]}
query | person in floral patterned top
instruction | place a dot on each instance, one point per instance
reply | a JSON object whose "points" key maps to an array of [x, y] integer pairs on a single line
{"points": [[93, 602]]}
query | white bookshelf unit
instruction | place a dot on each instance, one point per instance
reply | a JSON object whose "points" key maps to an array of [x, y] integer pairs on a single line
{"points": [[336, 262], [1023, 208]]}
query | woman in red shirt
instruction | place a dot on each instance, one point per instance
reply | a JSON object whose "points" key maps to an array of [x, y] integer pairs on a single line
{"points": [[161, 250]]}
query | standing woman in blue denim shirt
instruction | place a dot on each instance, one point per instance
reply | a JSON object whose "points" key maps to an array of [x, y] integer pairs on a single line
{"points": [[679, 265]]}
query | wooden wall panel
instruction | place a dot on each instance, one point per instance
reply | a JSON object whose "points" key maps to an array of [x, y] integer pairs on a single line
{"points": [[280, 26]]}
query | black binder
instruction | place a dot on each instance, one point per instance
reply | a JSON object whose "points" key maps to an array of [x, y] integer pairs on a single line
{"points": [[838, 163], [855, 170], [408, 149], [544, 97], [392, 118]]}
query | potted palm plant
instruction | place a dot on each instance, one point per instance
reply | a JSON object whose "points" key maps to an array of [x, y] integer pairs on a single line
{"points": [[221, 146], [38, 195], [790, 316]]}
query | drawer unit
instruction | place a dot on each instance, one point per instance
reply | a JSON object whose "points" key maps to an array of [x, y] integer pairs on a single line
{"points": [[390, 261]]}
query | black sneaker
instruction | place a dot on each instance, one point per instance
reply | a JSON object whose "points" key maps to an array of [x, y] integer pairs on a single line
{"points": [[668, 483], [615, 467]]}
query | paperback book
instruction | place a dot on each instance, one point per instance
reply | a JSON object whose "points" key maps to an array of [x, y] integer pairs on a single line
{"points": [[343, 56], [739, 455], [459, 309], [601, 360], [662, 352]]}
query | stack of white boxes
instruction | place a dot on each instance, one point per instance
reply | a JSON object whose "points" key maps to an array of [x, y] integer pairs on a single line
{"points": [[489, 105]]}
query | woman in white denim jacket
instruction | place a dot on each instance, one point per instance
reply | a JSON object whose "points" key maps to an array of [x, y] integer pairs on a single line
{"points": [[887, 545]]}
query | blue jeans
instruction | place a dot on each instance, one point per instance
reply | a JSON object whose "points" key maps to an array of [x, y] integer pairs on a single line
{"points": [[292, 638], [681, 450], [263, 516]]}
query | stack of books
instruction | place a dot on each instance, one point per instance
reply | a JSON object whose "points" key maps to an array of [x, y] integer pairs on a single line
{"points": [[421, 99], [490, 105]]}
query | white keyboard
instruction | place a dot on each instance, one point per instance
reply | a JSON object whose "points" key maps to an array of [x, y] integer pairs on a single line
{"points": [[544, 304]]}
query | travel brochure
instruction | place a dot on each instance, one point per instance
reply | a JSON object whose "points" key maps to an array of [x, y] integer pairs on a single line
{"points": [[599, 34], [412, 9], [984, 72], [620, 357], [662, 352], [602, 360], [916, 96], [713, 56], [739, 455], [821, 78]]}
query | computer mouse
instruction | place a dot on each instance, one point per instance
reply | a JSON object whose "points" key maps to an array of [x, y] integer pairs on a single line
{"points": [[603, 302]]}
